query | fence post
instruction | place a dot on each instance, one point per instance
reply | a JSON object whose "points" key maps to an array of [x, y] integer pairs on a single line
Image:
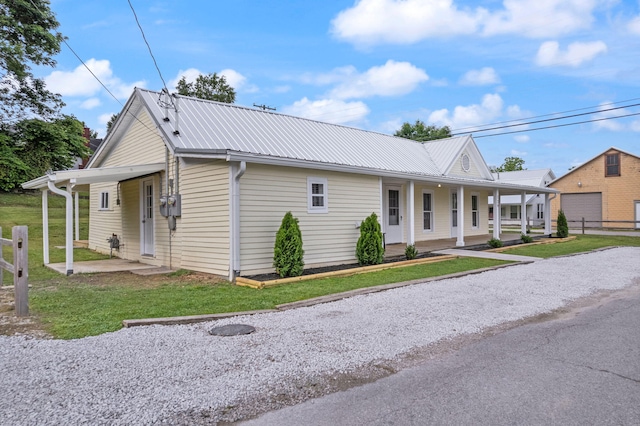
{"points": [[21, 269], [1, 268], [583, 226]]}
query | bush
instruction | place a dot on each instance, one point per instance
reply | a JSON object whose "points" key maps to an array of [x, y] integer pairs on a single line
{"points": [[369, 250], [494, 243], [563, 228], [287, 252], [411, 252], [526, 238]]}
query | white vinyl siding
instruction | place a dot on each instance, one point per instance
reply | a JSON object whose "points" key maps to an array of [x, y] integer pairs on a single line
{"points": [[458, 170], [102, 223], [268, 192], [138, 146]]}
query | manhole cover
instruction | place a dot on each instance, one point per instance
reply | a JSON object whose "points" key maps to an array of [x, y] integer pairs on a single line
{"points": [[232, 330]]}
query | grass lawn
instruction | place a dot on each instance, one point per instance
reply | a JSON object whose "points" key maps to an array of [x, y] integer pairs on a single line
{"points": [[91, 304]]}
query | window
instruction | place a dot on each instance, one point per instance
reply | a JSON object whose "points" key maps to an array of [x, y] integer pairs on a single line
{"points": [[490, 213], [394, 207], [514, 212], [612, 166], [475, 220], [104, 200], [540, 214], [317, 200], [427, 211], [454, 209]]}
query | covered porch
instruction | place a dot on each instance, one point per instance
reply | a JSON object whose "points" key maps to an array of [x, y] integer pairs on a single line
{"points": [[394, 250]]}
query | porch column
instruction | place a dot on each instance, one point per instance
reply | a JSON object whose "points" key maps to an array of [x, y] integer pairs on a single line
{"points": [[460, 241], [547, 215], [77, 215], [523, 213], [411, 238], [45, 226], [497, 218]]}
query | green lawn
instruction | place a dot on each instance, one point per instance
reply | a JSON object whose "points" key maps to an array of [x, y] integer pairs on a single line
{"points": [[91, 304]]}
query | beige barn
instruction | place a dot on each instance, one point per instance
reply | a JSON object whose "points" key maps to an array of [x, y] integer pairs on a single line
{"points": [[605, 191], [201, 185]]}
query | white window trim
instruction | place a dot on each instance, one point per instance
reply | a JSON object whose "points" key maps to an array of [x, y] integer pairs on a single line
{"points": [[101, 204], [433, 222], [310, 207], [477, 210]]}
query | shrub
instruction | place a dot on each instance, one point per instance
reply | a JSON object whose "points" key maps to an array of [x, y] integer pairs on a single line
{"points": [[562, 230], [494, 243], [287, 252], [526, 238], [411, 252], [369, 250]]}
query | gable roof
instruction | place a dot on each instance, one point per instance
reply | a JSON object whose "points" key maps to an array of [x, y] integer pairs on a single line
{"points": [[613, 148], [526, 177]]}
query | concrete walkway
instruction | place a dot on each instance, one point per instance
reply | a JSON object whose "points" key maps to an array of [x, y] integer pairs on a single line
{"points": [[488, 255], [109, 265]]}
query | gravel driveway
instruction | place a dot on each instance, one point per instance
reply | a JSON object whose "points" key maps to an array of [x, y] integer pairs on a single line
{"points": [[183, 375]]}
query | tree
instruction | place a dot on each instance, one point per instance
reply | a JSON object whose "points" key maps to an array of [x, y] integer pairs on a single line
{"points": [[422, 133], [36, 146], [112, 121], [287, 251], [511, 164], [369, 250], [28, 37], [562, 227], [211, 87]]}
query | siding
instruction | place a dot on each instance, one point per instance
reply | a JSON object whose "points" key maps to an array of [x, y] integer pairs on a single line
{"points": [[457, 170], [268, 192], [138, 145], [204, 225], [618, 192], [103, 223]]}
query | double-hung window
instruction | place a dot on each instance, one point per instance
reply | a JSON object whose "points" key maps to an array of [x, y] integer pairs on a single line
{"points": [[104, 200], [317, 195], [475, 219], [612, 165], [427, 211], [540, 214]]}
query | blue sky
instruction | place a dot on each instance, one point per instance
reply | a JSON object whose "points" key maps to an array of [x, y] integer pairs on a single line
{"points": [[374, 64]]}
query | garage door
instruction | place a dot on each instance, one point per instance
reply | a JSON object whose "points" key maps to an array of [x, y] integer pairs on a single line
{"points": [[577, 206]]}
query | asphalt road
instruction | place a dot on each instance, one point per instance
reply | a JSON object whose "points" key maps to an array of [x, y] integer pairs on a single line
{"points": [[580, 367]]}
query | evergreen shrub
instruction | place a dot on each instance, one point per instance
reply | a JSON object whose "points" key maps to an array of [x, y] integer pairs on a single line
{"points": [[562, 230], [288, 253], [369, 250]]}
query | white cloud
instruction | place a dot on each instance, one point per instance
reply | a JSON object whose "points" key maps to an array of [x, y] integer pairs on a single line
{"points": [[517, 153], [80, 82], [577, 53], [609, 124], [481, 77], [634, 25], [90, 103], [371, 22], [190, 75], [390, 79], [104, 118], [635, 126], [471, 115], [328, 110], [408, 21], [522, 138]]}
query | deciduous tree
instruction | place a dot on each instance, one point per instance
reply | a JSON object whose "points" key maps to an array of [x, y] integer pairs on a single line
{"points": [[211, 87], [421, 132]]}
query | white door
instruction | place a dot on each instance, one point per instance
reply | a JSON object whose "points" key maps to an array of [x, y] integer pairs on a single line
{"points": [[393, 224], [637, 214], [454, 213], [147, 218]]}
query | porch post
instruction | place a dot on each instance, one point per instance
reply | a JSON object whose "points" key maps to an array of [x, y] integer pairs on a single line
{"points": [[411, 238], [497, 214], [45, 226], [77, 215], [460, 241], [547, 215], [523, 213]]}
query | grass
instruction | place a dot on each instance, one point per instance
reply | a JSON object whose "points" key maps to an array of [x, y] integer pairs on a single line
{"points": [[86, 305]]}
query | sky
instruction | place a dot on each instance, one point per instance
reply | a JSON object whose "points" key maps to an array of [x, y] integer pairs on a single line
{"points": [[375, 64]]}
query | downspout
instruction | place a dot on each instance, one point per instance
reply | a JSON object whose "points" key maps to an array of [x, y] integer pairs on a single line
{"points": [[69, 224], [234, 270]]}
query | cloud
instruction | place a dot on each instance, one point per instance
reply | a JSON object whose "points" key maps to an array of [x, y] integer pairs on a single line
{"points": [[522, 138], [190, 75], [488, 110], [90, 103], [577, 53], [609, 124], [80, 82], [328, 110], [517, 153], [391, 79], [371, 22], [481, 77], [104, 118], [233, 77], [634, 25]]}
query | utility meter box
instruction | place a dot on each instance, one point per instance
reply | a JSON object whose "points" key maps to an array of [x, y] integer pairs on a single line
{"points": [[164, 207], [174, 203]]}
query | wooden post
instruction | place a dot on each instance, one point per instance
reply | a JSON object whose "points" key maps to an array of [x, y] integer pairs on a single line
{"points": [[583, 226], [1, 267], [21, 269]]}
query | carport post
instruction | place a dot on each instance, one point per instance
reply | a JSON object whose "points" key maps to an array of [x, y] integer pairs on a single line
{"points": [[547, 215], [523, 213], [45, 226], [496, 214]]}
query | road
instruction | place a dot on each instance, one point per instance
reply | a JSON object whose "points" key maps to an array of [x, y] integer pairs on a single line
{"points": [[581, 367]]}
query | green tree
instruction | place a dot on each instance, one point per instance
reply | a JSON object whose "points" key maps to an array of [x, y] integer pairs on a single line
{"points": [[37, 146], [369, 250], [511, 164], [12, 168], [562, 227], [422, 133], [28, 37], [287, 252], [211, 87], [112, 121]]}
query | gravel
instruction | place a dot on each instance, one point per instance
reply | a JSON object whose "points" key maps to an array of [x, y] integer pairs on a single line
{"points": [[184, 375]]}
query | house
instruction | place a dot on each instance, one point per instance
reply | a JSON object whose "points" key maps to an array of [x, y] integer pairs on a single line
{"points": [[201, 185], [511, 205], [605, 191]]}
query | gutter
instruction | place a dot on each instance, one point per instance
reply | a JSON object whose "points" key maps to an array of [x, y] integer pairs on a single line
{"points": [[69, 223], [234, 213]]}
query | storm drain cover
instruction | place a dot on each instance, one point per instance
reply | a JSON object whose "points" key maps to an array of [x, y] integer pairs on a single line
{"points": [[232, 330]]}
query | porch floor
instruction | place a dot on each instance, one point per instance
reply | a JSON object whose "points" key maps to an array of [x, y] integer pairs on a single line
{"points": [[393, 250], [109, 265]]}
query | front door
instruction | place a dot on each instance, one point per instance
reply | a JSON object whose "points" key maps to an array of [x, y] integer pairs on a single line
{"points": [[393, 228], [454, 213], [147, 218]]}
